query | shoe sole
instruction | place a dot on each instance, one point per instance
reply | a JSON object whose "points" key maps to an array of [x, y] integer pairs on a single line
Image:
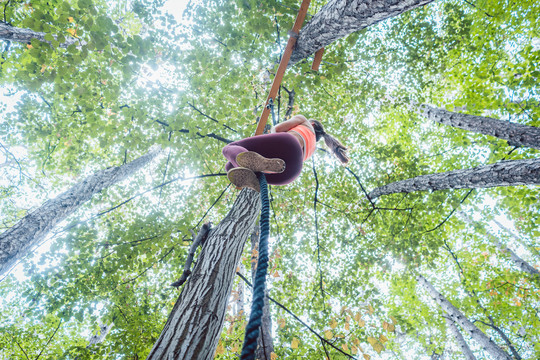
{"points": [[243, 177], [256, 162]]}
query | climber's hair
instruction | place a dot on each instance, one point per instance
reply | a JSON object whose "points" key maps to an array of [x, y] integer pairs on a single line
{"points": [[335, 146]]}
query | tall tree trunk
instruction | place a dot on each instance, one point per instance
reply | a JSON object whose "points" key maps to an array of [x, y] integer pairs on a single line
{"points": [[194, 325], [99, 337], [16, 242], [515, 134], [265, 343], [503, 173], [238, 306], [339, 18], [517, 238], [519, 262], [11, 33], [457, 317], [460, 340]]}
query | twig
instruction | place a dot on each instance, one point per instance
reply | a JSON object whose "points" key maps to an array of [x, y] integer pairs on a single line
{"points": [[20, 347], [474, 6], [213, 204], [209, 117], [298, 319], [47, 344], [151, 266], [451, 213], [154, 188], [317, 232], [165, 172], [361, 186]]}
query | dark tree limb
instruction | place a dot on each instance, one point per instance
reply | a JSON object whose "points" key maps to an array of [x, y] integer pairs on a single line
{"points": [[339, 18], [503, 173], [290, 104], [319, 268], [503, 336], [197, 241], [12, 33], [49, 341], [516, 134], [209, 117]]}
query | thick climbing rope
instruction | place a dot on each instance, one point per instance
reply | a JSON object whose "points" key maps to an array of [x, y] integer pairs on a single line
{"points": [[259, 284]]}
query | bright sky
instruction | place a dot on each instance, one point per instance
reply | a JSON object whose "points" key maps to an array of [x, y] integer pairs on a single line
{"points": [[176, 8]]}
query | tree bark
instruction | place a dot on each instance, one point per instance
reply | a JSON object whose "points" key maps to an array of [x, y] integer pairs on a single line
{"points": [[457, 317], [11, 33], [339, 18], [503, 173], [519, 262], [515, 134], [238, 305], [193, 328], [98, 338], [265, 343], [16, 242], [460, 340]]}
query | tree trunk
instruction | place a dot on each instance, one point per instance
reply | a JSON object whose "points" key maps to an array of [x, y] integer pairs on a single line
{"points": [[519, 262], [515, 134], [339, 18], [503, 173], [460, 340], [98, 338], [16, 242], [196, 320], [457, 317], [265, 343], [238, 305], [11, 33]]}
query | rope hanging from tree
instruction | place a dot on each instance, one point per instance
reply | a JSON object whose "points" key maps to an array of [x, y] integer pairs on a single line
{"points": [[259, 284]]}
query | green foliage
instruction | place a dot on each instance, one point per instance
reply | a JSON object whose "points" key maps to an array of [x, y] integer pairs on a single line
{"points": [[135, 77]]}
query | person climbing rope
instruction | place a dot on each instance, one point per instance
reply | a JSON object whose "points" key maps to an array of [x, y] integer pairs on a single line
{"points": [[278, 155]]}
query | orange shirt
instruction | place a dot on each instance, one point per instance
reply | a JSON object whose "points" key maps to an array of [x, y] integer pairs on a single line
{"points": [[309, 139]]}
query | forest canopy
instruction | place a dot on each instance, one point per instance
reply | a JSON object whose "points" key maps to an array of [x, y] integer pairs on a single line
{"points": [[129, 105]]}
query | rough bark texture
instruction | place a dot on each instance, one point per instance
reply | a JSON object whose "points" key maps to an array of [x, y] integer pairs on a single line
{"points": [[339, 18], [194, 325], [519, 262], [515, 134], [238, 305], [504, 173], [31, 229], [460, 340], [457, 317], [11, 33], [265, 343]]}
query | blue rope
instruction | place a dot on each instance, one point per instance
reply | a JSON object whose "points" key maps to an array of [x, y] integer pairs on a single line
{"points": [[259, 285]]}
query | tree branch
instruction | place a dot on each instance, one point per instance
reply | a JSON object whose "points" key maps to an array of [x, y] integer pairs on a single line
{"points": [[198, 240], [47, 344]]}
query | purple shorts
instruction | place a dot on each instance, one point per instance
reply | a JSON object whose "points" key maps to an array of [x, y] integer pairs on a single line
{"points": [[283, 145]]}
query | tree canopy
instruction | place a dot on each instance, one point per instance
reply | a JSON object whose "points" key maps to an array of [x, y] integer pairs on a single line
{"points": [[110, 79]]}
